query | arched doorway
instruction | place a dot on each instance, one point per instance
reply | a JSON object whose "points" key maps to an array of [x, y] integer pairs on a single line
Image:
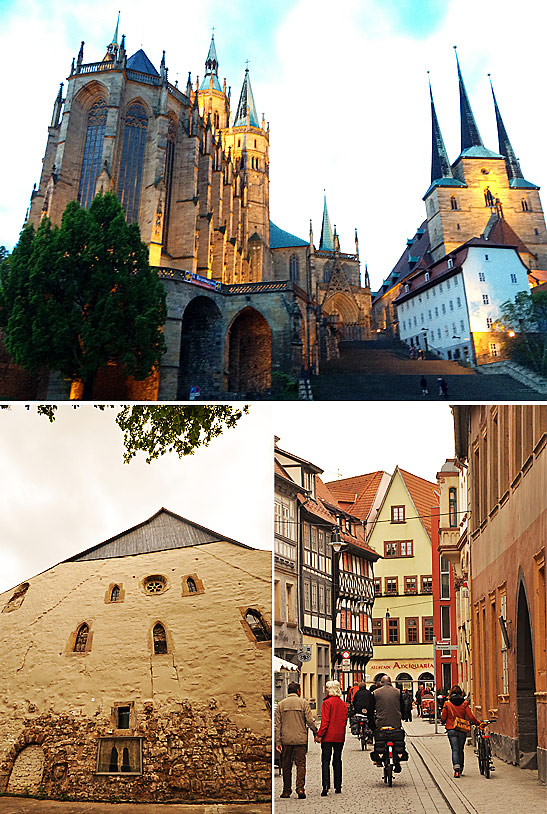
{"points": [[200, 349], [27, 770], [526, 685], [427, 679], [404, 681], [249, 351]]}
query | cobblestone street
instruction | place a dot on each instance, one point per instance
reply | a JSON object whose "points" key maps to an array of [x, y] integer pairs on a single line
{"points": [[424, 786]]}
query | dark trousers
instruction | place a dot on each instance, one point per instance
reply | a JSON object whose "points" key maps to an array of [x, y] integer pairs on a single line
{"points": [[334, 749], [298, 754]]}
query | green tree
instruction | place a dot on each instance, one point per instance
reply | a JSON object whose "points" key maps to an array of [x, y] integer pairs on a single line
{"points": [[75, 297], [157, 430], [525, 322]]}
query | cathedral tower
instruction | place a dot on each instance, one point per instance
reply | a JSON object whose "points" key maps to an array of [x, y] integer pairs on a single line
{"points": [[483, 193]]}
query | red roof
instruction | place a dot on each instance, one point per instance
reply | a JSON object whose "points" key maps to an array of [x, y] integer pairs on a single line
{"points": [[424, 494], [357, 493]]}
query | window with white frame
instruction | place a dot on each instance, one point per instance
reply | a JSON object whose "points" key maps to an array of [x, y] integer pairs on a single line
{"points": [[485, 299], [488, 322], [482, 277], [493, 349], [513, 278]]}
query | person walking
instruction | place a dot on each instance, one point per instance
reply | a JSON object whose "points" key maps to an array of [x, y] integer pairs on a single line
{"points": [[418, 698], [423, 385], [444, 388], [455, 712], [293, 718], [407, 704], [331, 736]]}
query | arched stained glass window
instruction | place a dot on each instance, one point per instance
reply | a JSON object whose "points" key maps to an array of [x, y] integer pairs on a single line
{"points": [[191, 585], [132, 160], [169, 163], [93, 151], [160, 639], [81, 639], [258, 626], [293, 268], [115, 595]]}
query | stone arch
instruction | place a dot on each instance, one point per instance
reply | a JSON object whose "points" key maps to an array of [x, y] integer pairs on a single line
{"points": [[527, 731], [343, 305], [27, 770], [248, 353], [200, 348]]}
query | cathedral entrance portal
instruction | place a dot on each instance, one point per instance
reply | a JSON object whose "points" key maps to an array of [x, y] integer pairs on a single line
{"points": [[343, 313], [526, 686], [200, 349], [249, 353]]}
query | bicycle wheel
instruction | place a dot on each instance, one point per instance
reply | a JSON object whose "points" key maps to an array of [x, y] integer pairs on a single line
{"points": [[487, 758], [389, 770], [481, 754]]}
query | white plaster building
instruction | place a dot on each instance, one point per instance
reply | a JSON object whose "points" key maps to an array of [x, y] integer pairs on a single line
{"points": [[451, 306]]}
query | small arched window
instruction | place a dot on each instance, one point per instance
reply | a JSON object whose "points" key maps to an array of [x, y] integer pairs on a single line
{"points": [[453, 507], [258, 626], [115, 594], [453, 202], [126, 766], [293, 268], [160, 639], [191, 585], [81, 639], [525, 206], [113, 765]]}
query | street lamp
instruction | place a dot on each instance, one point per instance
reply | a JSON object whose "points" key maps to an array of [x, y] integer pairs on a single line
{"points": [[336, 541], [388, 614]]}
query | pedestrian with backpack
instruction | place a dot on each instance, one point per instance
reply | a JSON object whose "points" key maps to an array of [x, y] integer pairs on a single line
{"points": [[457, 718]]}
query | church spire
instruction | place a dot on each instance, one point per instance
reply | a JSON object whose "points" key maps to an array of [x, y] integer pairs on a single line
{"points": [[246, 106], [514, 171], [327, 242], [440, 165], [211, 68], [469, 131], [57, 108], [113, 46]]}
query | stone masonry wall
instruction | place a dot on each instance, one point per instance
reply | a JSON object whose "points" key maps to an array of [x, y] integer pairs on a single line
{"points": [[193, 752]]}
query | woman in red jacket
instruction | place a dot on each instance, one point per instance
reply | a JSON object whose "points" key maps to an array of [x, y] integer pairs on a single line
{"points": [[331, 736], [456, 707]]}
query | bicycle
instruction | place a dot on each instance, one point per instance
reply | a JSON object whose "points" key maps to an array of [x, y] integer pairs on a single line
{"points": [[364, 734], [391, 754], [484, 750]]}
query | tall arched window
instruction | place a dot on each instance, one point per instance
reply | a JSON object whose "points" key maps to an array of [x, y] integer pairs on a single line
{"points": [[115, 595], [129, 182], [93, 151], [160, 639], [191, 585], [454, 202], [258, 626], [81, 639], [169, 163], [453, 507], [293, 268], [113, 765]]}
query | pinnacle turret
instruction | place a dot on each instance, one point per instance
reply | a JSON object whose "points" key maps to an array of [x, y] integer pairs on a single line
{"points": [[211, 69], [470, 136], [514, 172]]}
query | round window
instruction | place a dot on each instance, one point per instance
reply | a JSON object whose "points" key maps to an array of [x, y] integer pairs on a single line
{"points": [[155, 584]]}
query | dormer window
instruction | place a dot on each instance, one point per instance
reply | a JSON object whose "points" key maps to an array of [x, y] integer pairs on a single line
{"points": [[407, 288], [427, 276], [450, 263]]}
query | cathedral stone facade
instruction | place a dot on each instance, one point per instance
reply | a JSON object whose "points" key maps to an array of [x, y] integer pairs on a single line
{"points": [[140, 669], [195, 177]]}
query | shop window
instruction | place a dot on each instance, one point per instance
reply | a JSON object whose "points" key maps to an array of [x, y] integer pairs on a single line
{"points": [[119, 756]]}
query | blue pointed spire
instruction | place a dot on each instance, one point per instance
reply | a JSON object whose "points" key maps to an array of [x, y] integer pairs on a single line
{"points": [[469, 131], [113, 46], [211, 68], [327, 241], [514, 172], [440, 165], [246, 105]]}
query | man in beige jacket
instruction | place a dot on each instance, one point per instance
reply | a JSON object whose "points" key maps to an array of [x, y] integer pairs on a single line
{"points": [[293, 718]]}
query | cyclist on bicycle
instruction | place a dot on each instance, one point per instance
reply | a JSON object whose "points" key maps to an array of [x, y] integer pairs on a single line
{"points": [[361, 699], [386, 710], [457, 707]]}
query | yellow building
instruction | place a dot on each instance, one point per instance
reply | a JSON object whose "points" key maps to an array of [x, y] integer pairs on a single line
{"points": [[140, 669], [403, 609]]}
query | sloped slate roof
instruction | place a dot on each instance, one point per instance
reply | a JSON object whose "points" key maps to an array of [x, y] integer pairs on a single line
{"points": [[140, 62], [279, 239], [403, 268], [163, 531]]}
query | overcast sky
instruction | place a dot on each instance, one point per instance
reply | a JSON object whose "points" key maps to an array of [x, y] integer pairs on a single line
{"points": [[348, 438], [65, 486], [344, 87]]}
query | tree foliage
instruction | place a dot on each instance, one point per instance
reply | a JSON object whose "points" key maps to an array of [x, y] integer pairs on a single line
{"points": [[157, 430], [75, 297], [526, 317]]}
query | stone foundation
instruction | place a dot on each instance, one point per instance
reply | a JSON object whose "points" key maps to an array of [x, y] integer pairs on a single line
{"points": [[191, 754]]}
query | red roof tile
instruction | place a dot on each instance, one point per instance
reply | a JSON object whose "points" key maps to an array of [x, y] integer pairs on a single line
{"points": [[357, 493], [425, 495]]}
